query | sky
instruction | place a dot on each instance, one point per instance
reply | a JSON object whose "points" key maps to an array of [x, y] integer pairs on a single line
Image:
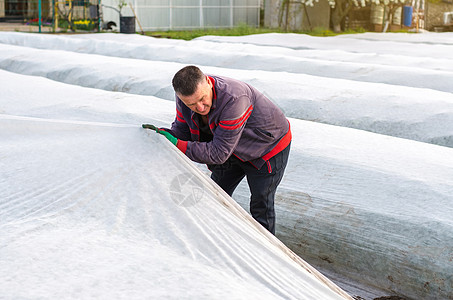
{"points": [[366, 197]]}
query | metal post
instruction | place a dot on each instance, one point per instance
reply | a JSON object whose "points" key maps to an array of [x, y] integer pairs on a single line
{"points": [[201, 14], [55, 15], [417, 15], [39, 15], [171, 14], [70, 14], [231, 14], [99, 16], [262, 7]]}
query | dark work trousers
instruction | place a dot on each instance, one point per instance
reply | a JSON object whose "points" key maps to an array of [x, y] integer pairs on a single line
{"points": [[262, 183]]}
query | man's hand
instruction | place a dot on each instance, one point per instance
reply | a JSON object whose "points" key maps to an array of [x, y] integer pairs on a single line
{"points": [[149, 126], [169, 137]]}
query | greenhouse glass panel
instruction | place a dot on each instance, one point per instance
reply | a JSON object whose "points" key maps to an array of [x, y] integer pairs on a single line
{"points": [[246, 3], [249, 16], [154, 18], [185, 3], [187, 14], [186, 17], [208, 3], [155, 2], [217, 17]]}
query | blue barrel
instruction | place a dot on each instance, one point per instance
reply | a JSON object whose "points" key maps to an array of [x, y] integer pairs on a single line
{"points": [[407, 16]]}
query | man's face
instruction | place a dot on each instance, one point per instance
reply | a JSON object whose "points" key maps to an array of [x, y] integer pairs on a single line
{"points": [[200, 101]]}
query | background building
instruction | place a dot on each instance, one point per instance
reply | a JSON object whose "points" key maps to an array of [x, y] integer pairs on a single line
{"points": [[185, 14]]}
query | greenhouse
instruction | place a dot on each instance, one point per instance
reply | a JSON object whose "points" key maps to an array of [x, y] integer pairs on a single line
{"points": [[184, 14], [146, 15]]}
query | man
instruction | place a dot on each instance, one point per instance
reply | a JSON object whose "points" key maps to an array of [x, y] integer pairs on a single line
{"points": [[235, 130]]}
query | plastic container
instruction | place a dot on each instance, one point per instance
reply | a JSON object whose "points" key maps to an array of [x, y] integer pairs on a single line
{"points": [[407, 16], [127, 24]]}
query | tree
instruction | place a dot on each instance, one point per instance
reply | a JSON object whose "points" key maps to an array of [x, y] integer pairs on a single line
{"points": [[390, 8], [340, 8]]}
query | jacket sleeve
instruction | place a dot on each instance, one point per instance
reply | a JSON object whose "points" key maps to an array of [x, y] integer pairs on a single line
{"points": [[227, 133], [179, 127]]}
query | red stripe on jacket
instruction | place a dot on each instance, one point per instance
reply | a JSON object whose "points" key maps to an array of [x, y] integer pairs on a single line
{"points": [[233, 124], [282, 144], [180, 117]]}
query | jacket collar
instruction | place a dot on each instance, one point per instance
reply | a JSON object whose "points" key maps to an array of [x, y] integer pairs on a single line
{"points": [[214, 94]]}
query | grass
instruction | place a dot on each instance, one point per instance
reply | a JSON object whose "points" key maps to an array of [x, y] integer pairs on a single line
{"points": [[191, 34], [238, 31]]}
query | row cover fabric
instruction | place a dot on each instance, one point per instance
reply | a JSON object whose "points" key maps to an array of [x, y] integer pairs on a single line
{"points": [[372, 208], [97, 210], [346, 81]]}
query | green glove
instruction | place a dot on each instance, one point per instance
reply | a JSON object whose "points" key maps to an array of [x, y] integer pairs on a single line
{"points": [[149, 126], [163, 132], [168, 136]]}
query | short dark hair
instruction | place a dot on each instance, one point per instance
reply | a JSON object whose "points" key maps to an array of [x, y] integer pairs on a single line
{"points": [[186, 80]]}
